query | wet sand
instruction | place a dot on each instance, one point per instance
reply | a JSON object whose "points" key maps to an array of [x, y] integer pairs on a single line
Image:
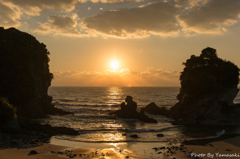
{"points": [[60, 149], [224, 149]]}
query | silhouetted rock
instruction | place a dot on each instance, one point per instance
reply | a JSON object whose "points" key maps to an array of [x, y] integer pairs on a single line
{"points": [[129, 111], [152, 108], [8, 118], [134, 136], [33, 152], [208, 88], [24, 82], [25, 75], [35, 126], [160, 135]]}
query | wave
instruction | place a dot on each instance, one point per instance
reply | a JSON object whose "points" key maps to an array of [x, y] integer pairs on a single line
{"points": [[88, 105], [218, 134], [144, 130], [120, 141], [110, 141], [66, 100], [124, 130]]}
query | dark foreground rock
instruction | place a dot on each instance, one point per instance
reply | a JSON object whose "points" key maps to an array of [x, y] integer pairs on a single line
{"points": [[134, 115], [33, 152], [129, 112], [134, 136], [32, 125]]}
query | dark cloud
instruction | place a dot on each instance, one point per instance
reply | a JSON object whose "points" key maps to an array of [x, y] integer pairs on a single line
{"points": [[58, 24], [160, 17], [168, 18], [34, 7], [189, 1], [8, 16], [110, 1], [212, 17], [154, 18]]}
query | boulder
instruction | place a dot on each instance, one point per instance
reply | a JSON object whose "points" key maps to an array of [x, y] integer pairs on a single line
{"points": [[35, 126], [128, 111], [134, 136], [160, 135], [152, 108]]}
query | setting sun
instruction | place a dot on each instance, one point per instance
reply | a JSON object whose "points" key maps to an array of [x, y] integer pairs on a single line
{"points": [[114, 64]]}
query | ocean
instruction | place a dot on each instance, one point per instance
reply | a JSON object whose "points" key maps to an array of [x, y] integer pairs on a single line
{"points": [[91, 107]]}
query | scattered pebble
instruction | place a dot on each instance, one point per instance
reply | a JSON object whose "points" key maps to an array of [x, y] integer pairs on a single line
{"points": [[33, 152], [160, 135], [134, 136]]}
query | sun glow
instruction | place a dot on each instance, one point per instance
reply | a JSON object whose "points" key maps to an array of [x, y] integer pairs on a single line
{"points": [[114, 64]]}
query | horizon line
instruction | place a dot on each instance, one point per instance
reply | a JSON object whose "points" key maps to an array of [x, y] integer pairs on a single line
{"points": [[114, 86]]}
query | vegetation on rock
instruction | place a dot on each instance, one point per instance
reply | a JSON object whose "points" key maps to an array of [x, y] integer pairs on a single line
{"points": [[7, 111]]}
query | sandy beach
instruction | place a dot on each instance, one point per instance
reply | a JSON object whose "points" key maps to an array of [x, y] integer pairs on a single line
{"points": [[50, 151], [227, 148], [59, 149]]}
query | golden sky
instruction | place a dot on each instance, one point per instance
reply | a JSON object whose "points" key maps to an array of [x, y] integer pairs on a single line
{"points": [[148, 38]]}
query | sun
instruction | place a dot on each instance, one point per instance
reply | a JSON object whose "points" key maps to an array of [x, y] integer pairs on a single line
{"points": [[114, 64]]}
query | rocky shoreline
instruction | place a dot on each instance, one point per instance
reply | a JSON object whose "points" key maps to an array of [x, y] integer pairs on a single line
{"points": [[24, 139]]}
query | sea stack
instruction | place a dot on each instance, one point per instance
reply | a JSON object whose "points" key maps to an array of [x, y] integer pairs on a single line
{"points": [[129, 111], [208, 88]]}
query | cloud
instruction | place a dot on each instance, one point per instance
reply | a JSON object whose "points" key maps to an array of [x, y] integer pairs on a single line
{"points": [[124, 77], [192, 2], [210, 18], [167, 18], [155, 18], [59, 24], [9, 16], [160, 17], [109, 1], [34, 7]]}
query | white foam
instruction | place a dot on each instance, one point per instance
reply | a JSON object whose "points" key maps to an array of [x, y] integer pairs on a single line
{"points": [[144, 130]]}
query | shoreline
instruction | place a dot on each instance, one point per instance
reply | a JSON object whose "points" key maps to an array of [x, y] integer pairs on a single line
{"points": [[57, 149]]}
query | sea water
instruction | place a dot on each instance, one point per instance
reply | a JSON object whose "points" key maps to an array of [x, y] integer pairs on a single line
{"points": [[91, 107]]}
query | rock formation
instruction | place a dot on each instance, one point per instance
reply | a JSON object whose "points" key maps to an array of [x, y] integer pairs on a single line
{"points": [[24, 83], [208, 88], [25, 75], [129, 111], [152, 108]]}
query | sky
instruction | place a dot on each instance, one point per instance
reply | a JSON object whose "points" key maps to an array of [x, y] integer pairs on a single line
{"points": [[149, 39]]}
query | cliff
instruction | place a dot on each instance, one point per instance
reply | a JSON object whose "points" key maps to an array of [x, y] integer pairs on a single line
{"points": [[208, 88], [25, 75]]}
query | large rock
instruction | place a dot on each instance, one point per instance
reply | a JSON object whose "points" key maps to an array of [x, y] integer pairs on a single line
{"points": [[25, 75], [208, 88], [129, 111], [152, 108], [35, 126]]}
